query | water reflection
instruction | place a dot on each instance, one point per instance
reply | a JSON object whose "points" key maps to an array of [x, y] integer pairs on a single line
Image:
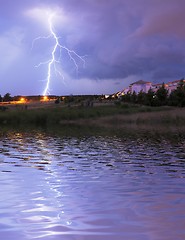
{"points": [[91, 188]]}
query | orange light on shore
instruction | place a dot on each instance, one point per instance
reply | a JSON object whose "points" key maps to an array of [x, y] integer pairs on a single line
{"points": [[22, 100], [45, 98]]}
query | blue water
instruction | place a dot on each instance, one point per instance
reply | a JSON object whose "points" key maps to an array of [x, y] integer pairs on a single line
{"points": [[91, 188]]}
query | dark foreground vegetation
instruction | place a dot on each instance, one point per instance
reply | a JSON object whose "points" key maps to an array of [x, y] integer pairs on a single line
{"points": [[115, 117]]}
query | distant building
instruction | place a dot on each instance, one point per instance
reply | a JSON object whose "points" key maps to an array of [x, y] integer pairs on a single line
{"points": [[121, 93], [171, 86], [125, 91], [155, 87], [140, 86], [145, 86]]}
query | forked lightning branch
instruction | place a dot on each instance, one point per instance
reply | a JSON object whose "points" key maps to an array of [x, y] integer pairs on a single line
{"points": [[54, 60]]}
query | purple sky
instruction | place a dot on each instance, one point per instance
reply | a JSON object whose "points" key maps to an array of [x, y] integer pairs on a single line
{"points": [[122, 41]]}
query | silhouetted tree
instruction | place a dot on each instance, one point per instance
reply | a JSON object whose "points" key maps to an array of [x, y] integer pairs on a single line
{"points": [[150, 98], [141, 96], [7, 97], [133, 97], [126, 97], [177, 97], [161, 96], [57, 101]]}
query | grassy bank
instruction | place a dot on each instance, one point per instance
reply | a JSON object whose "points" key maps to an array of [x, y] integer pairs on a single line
{"points": [[57, 115], [127, 118]]}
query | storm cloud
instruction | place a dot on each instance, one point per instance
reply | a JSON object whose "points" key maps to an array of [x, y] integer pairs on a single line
{"points": [[122, 41]]}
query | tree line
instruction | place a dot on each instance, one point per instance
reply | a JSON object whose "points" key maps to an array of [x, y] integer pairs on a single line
{"points": [[6, 98], [159, 98]]}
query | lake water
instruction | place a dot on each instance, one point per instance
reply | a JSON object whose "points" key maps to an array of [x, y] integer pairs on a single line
{"points": [[91, 188]]}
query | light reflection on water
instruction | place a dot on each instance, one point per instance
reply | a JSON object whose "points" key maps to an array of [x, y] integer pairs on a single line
{"points": [[92, 188]]}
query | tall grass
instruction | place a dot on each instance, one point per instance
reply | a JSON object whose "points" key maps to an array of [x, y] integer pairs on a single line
{"points": [[118, 115]]}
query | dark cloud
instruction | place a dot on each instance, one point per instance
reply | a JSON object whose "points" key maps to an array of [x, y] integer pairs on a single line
{"points": [[120, 38], [136, 37]]}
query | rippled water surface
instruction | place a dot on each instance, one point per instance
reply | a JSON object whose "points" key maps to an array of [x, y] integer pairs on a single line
{"points": [[91, 188]]}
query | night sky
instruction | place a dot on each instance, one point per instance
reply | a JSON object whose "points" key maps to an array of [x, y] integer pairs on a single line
{"points": [[122, 41]]}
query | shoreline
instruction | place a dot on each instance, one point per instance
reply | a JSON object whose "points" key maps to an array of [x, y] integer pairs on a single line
{"points": [[105, 119]]}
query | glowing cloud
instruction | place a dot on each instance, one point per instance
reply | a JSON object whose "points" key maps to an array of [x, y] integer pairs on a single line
{"points": [[41, 15]]}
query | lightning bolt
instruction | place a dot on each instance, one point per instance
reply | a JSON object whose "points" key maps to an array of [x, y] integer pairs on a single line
{"points": [[53, 61]]}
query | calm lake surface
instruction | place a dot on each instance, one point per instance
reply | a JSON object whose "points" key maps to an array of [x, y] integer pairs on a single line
{"points": [[91, 188]]}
